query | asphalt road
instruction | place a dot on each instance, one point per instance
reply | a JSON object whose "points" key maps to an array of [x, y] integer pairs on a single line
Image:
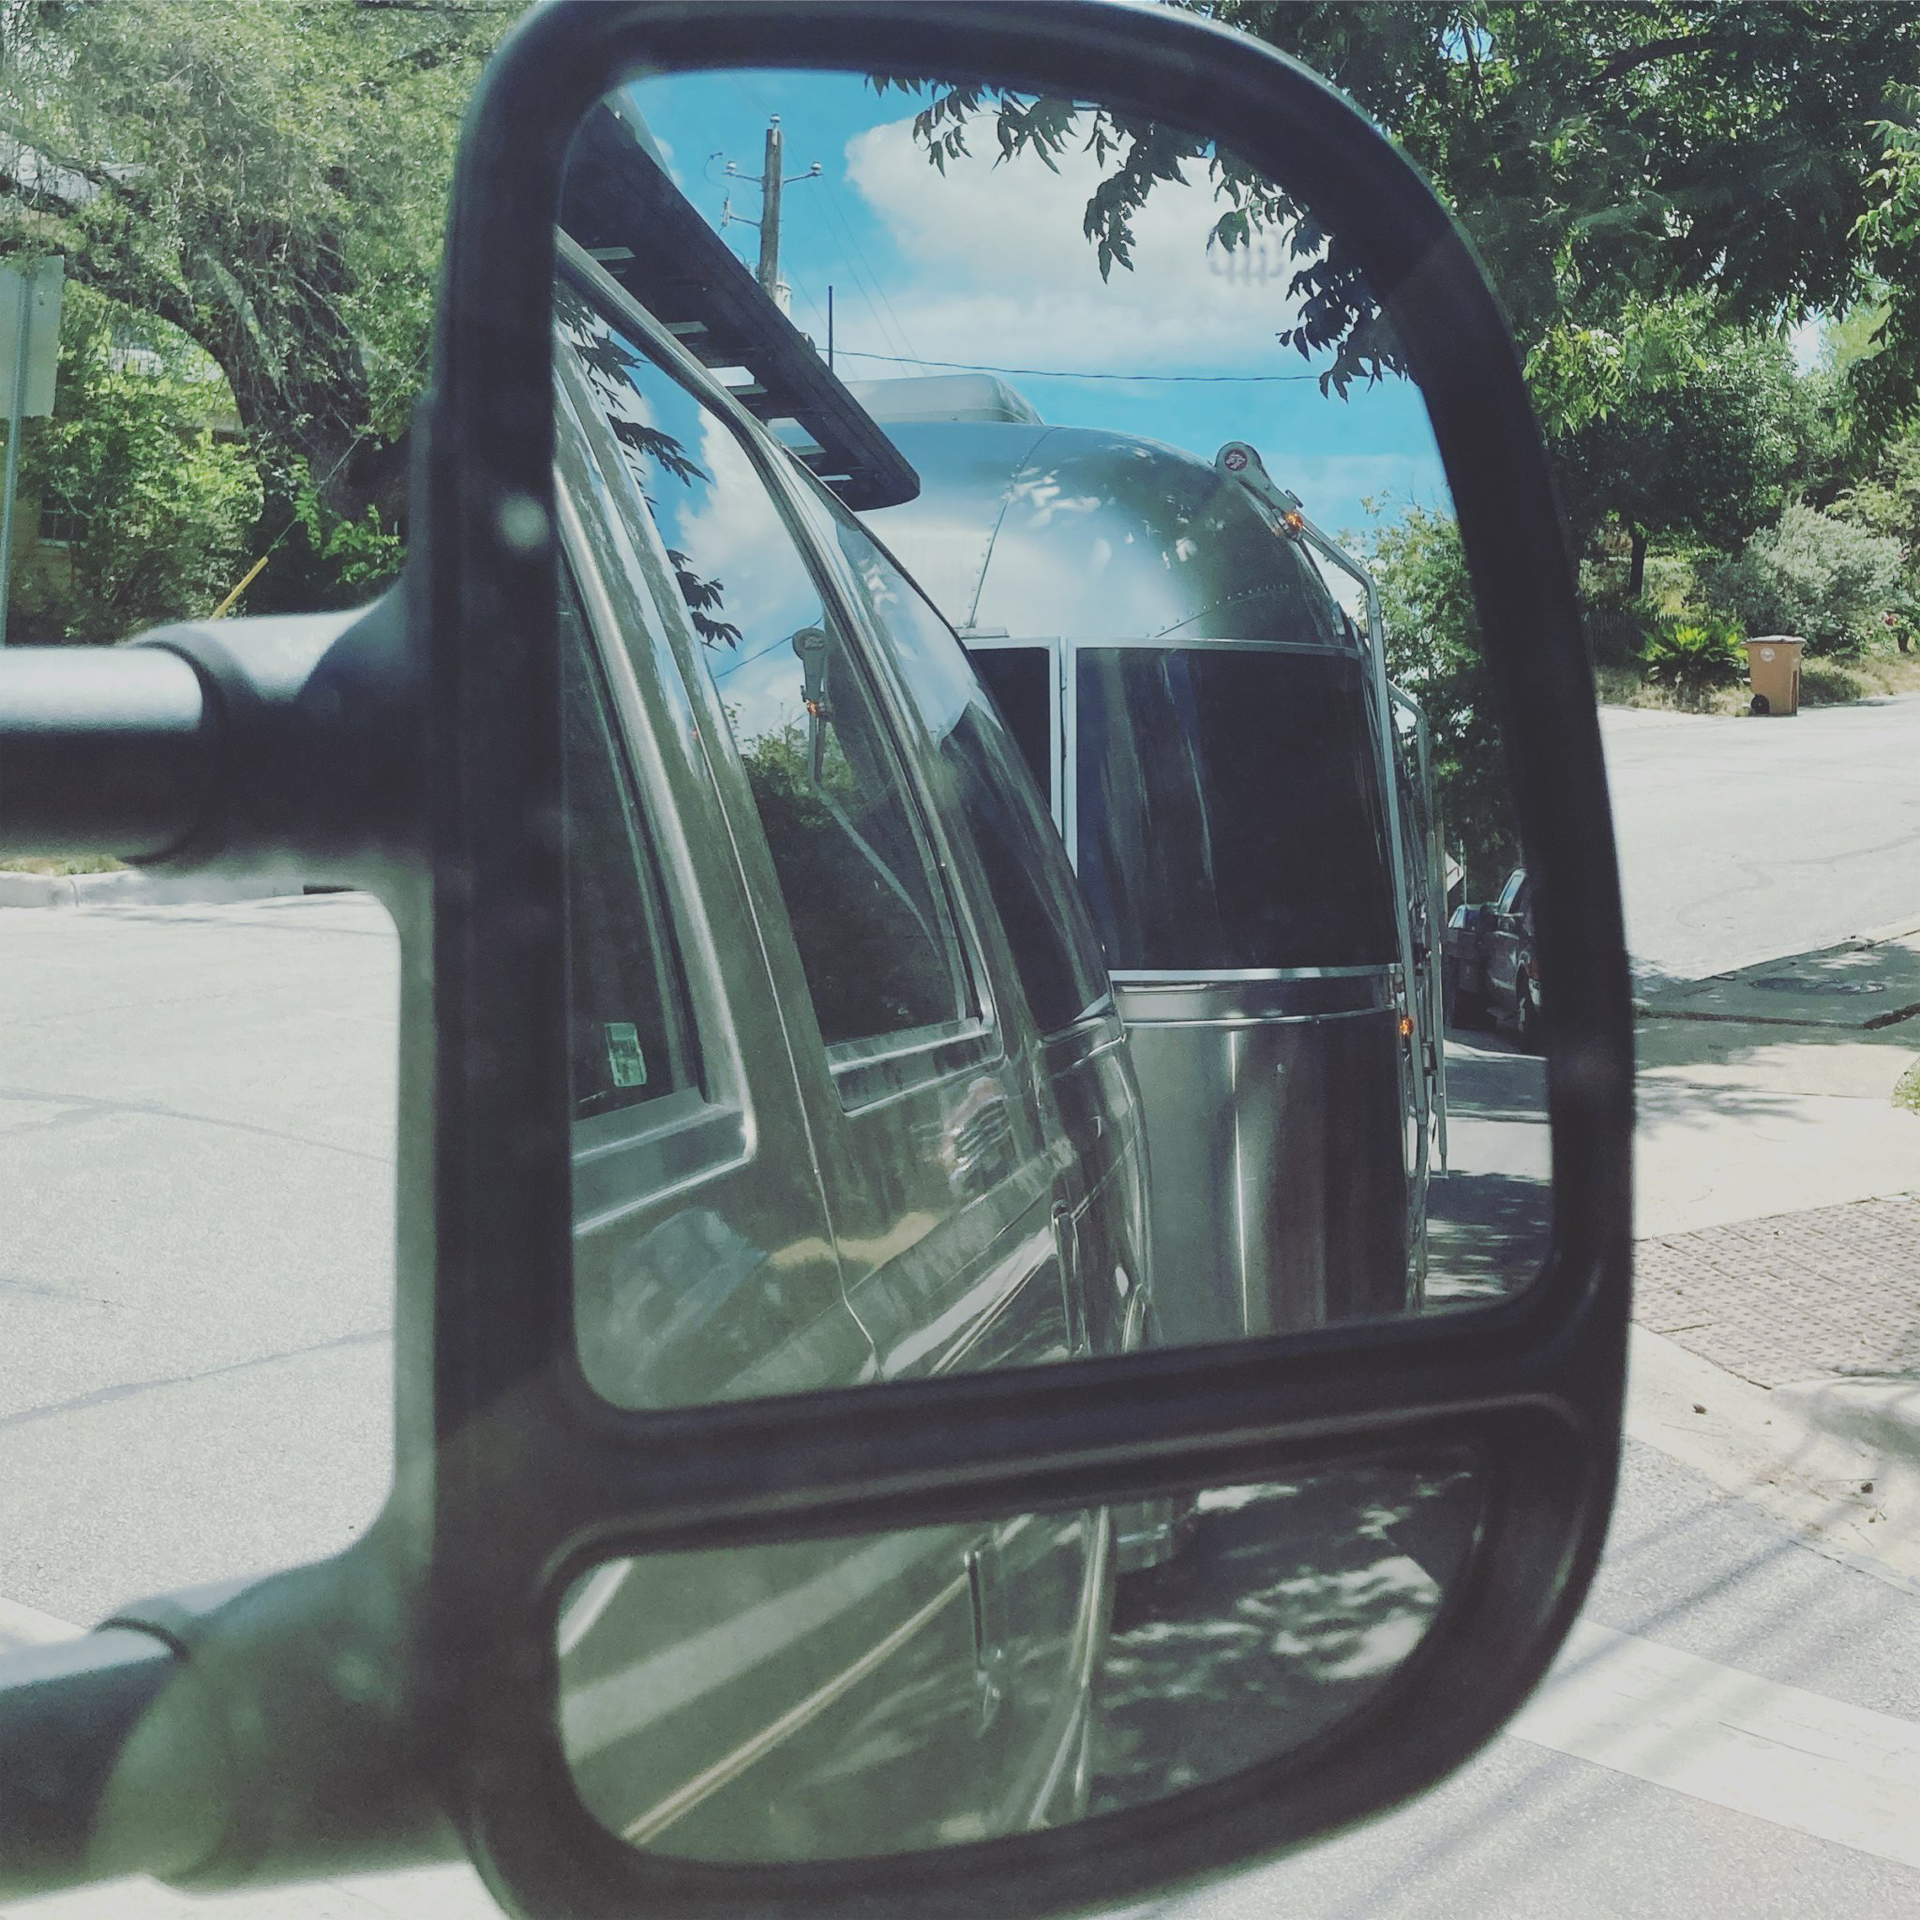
{"points": [[196, 1267], [195, 1178], [1742, 839]]}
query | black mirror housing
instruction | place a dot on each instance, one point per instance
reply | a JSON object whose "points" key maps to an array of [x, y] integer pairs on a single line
{"points": [[510, 1475]]}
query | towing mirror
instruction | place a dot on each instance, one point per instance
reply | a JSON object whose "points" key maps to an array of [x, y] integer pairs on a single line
{"points": [[920, 1380]]}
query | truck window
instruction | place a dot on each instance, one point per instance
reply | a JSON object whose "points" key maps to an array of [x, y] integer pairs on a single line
{"points": [[870, 917], [632, 1039], [1054, 949]]}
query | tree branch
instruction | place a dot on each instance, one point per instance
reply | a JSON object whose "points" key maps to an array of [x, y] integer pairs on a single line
{"points": [[1650, 51]]}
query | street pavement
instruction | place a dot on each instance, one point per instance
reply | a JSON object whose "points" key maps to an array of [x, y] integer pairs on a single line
{"points": [[1744, 839], [195, 1146]]}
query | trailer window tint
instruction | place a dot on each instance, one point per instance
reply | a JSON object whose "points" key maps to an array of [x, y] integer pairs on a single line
{"points": [[1229, 811], [1021, 682], [631, 1036], [1054, 949]]}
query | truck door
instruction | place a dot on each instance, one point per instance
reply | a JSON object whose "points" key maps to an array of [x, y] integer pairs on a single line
{"points": [[937, 1177]]}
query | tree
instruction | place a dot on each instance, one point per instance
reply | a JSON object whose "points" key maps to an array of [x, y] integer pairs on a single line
{"points": [[1597, 155], [1676, 426], [1434, 653], [268, 177], [156, 508]]}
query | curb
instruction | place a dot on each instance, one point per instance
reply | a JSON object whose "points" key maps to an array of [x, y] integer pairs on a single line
{"points": [[1837, 1461], [1877, 1411], [134, 888]]}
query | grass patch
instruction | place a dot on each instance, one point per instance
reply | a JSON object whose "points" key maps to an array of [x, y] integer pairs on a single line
{"points": [[1623, 687], [1867, 676], [1907, 1092], [85, 863], [1824, 682]]}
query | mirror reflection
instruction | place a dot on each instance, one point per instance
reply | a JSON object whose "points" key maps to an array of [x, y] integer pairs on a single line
{"points": [[1063, 895], [890, 1692]]}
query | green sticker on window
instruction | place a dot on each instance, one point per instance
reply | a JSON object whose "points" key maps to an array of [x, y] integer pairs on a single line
{"points": [[624, 1055]]}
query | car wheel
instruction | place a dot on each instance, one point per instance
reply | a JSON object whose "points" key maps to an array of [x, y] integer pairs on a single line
{"points": [[1526, 1016]]}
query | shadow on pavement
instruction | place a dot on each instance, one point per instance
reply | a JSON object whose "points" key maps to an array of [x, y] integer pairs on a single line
{"points": [[1487, 1235], [1286, 1605]]}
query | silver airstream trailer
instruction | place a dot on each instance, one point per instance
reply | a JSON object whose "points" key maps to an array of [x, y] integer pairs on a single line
{"points": [[1244, 798]]}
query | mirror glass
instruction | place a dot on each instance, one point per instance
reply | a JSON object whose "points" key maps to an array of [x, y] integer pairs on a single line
{"points": [[888, 1692], [1043, 880]]}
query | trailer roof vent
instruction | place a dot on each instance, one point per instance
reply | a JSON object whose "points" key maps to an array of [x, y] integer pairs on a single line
{"points": [[945, 396]]}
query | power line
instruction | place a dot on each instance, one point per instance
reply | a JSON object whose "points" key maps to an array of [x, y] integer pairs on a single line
{"points": [[1076, 373], [891, 327]]}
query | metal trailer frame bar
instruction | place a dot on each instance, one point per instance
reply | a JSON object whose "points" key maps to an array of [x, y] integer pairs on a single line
{"points": [[1436, 910]]}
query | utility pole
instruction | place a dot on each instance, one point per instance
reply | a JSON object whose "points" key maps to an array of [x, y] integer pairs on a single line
{"points": [[770, 211], [770, 182]]}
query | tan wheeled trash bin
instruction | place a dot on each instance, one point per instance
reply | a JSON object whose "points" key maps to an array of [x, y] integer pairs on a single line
{"points": [[1773, 667]]}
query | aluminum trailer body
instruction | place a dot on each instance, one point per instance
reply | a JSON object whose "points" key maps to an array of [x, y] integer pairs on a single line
{"points": [[1210, 733]]}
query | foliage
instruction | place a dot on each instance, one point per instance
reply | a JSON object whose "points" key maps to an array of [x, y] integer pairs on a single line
{"points": [[1829, 581], [1887, 502], [1694, 656], [1678, 426], [269, 177], [357, 558], [1597, 156], [1433, 652], [1906, 1092], [161, 509]]}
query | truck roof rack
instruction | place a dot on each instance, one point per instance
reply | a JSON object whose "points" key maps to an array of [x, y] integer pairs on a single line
{"points": [[623, 208]]}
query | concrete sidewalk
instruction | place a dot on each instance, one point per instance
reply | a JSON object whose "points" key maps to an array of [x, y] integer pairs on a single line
{"points": [[1777, 1257], [1862, 984]]}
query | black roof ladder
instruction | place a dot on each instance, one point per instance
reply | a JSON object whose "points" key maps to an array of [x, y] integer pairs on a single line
{"points": [[623, 208]]}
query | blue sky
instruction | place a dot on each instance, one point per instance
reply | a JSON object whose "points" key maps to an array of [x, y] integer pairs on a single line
{"points": [[988, 267]]}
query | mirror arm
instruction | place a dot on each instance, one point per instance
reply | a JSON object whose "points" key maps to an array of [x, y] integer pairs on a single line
{"points": [[108, 750], [273, 744], [238, 1735], [109, 1763]]}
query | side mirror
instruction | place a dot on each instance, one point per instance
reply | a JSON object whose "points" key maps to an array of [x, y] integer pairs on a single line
{"points": [[804, 1417]]}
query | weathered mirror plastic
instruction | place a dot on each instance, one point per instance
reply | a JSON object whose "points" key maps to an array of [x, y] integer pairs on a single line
{"points": [[1018, 910], [894, 1692]]}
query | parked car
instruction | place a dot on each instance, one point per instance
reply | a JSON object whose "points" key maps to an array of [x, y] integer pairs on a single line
{"points": [[1491, 972]]}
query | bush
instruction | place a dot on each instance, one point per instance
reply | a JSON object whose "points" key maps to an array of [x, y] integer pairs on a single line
{"points": [[1694, 656], [1827, 580], [161, 509], [1433, 652]]}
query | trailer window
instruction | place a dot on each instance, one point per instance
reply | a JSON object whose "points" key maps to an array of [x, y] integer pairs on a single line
{"points": [[1021, 682], [1229, 810]]}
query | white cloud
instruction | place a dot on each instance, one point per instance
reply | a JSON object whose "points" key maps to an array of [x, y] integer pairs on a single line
{"points": [[1000, 269]]}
